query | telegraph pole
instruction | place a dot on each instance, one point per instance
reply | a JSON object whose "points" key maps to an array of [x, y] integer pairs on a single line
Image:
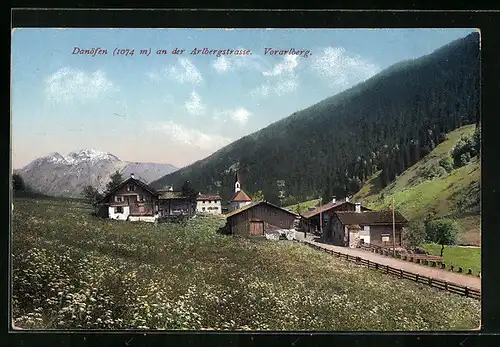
{"points": [[320, 218], [393, 229]]}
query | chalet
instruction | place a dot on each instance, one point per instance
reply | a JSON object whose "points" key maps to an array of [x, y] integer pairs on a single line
{"points": [[347, 228], [134, 200], [310, 221], [259, 219], [211, 204], [239, 198]]}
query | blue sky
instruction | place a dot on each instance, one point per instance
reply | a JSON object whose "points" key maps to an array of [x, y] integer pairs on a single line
{"points": [[180, 108]]}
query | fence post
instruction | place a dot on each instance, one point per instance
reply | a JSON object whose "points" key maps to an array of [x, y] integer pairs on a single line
{"points": [[430, 281], [446, 286], [387, 269], [466, 291], [376, 266], [401, 273], [416, 278], [469, 272]]}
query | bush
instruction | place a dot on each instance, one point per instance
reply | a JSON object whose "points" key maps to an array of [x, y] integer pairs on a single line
{"points": [[446, 163], [414, 235]]}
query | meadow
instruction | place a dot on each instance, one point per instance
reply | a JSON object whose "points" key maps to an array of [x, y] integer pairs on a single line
{"points": [[464, 257], [71, 270]]}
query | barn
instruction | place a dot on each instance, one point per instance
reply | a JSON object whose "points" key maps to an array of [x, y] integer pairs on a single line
{"points": [[259, 219]]}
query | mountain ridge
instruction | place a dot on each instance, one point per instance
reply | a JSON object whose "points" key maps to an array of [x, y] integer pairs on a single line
{"points": [[388, 121], [59, 175]]}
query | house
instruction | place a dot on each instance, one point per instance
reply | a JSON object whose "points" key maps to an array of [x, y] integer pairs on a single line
{"points": [[311, 219], [239, 198], [134, 200], [211, 204], [347, 228], [259, 219]]}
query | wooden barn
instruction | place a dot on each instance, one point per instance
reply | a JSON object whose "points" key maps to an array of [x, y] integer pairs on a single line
{"points": [[372, 227], [310, 221], [259, 218]]}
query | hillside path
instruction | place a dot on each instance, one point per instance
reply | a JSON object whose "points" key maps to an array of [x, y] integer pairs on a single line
{"points": [[444, 275]]}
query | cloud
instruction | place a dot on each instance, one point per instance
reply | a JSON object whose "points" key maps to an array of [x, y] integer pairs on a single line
{"points": [[182, 135], [67, 84], [194, 105], [288, 66], [341, 69], [281, 79], [239, 115], [238, 62], [184, 72]]}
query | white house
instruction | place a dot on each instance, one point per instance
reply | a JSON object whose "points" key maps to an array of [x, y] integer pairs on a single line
{"points": [[210, 204]]}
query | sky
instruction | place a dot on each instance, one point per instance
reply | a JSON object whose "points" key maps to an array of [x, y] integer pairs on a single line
{"points": [[179, 108]]}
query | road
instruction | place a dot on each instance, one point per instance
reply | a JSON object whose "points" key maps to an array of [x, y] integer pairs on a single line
{"points": [[440, 274]]}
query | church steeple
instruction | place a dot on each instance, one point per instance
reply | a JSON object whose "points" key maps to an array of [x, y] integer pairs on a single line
{"points": [[237, 185]]}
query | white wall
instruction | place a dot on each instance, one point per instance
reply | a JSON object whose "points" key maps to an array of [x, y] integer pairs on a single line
{"points": [[120, 216], [210, 206], [238, 205], [364, 234]]}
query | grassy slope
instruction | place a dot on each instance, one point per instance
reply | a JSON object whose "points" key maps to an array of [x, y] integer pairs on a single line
{"points": [[72, 270], [415, 197], [303, 205]]}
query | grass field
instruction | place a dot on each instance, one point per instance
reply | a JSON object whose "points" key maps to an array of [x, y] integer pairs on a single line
{"points": [[467, 258], [304, 205], [75, 271]]}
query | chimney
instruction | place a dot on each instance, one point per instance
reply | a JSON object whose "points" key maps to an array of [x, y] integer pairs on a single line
{"points": [[132, 176], [333, 200], [346, 199], [358, 207]]}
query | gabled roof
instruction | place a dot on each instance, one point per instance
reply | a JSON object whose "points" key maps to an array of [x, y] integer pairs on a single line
{"points": [[240, 196], [128, 181], [249, 206], [370, 217], [327, 207]]}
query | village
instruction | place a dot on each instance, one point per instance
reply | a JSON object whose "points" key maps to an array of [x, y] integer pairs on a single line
{"points": [[339, 222]]}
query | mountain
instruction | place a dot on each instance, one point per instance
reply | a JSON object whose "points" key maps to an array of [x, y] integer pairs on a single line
{"points": [[386, 123], [59, 175], [425, 189]]}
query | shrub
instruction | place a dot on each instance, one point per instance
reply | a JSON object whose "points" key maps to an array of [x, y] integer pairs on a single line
{"points": [[415, 234], [446, 163]]}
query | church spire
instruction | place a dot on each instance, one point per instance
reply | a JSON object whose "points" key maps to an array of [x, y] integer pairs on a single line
{"points": [[237, 185]]}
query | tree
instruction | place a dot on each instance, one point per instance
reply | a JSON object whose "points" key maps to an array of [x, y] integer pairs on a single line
{"points": [[442, 231], [91, 193], [18, 184], [298, 208], [188, 190], [115, 180], [259, 196], [414, 235]]}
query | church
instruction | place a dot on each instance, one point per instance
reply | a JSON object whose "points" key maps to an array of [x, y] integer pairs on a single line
{"points": [[239, 198]]}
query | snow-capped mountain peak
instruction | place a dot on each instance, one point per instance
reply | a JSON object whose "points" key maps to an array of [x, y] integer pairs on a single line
{"points": [[90, 155]]}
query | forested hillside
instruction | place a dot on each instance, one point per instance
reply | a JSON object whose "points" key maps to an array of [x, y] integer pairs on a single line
{"points": [[386, 123]]}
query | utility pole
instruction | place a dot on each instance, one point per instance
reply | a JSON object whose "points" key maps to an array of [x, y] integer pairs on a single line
{"points": [[393, 229], [320, 218]]}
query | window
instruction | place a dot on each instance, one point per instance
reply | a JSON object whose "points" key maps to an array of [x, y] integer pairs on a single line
{"points": [[141, 197], [118, 198], [119, 209], [130, 188], [203, 209]]}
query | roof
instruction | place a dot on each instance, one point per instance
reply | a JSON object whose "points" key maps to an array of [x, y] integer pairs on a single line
{"points": [[127, 181], [327, 207], [240, 196], [168, 194], [208, 197], [370, 218], [249, 206]]}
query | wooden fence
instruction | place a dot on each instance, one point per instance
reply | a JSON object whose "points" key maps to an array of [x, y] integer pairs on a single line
{"points": [[440, 284]]}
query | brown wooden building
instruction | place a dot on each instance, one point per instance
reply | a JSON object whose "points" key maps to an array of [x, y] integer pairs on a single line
{"points": [[310, 221], [347, 228], [135, 200], [258, 218]]}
